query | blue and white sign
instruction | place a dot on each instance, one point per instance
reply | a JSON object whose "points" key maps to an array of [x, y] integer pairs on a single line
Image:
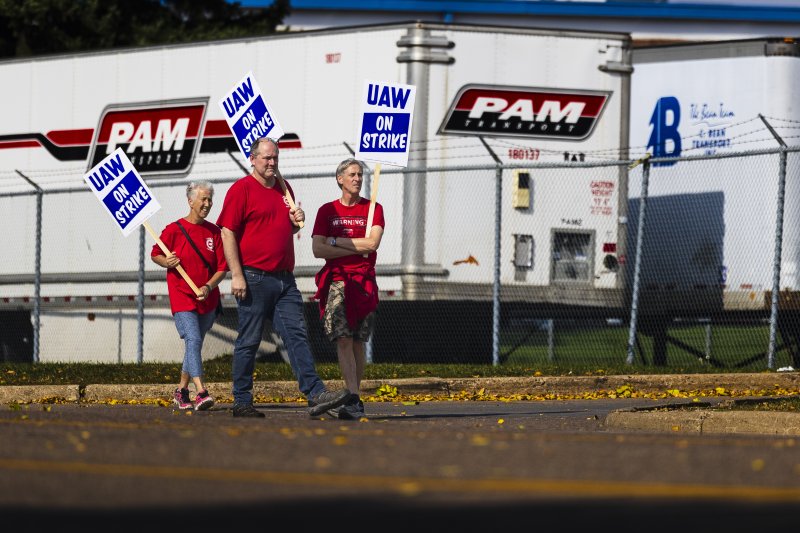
{"points": [[702, 125], [120, 189], [388, 112], [248, 115]]}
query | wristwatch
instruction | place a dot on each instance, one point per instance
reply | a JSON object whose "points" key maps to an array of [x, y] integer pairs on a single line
{"points": [[333, 241]]}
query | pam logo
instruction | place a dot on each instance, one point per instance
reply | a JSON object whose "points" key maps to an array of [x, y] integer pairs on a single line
{"points": [[158, 137], [524, 112]]}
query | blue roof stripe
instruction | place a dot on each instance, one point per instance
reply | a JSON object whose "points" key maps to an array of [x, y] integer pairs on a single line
{"points": [[699, 11]]}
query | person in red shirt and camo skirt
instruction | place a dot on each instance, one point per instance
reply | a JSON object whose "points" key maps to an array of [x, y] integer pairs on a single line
{"points": [[346, 287]]}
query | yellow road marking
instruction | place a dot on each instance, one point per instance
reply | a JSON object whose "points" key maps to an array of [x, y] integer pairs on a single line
{"points": [[390, 431], [543, 487]]}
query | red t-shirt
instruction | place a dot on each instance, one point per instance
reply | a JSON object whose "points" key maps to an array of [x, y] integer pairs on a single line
{"points": [[337, 220], [206, 236], [358, 272], [260, 219]]}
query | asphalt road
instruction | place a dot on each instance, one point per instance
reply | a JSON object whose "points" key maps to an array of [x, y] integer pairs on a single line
{"points": [[465, 465]]}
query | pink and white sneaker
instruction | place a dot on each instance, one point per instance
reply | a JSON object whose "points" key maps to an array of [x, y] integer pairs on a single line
{"points": [[203, 401], [181, 399]]}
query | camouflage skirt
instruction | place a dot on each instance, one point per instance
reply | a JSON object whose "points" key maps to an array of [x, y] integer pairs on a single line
{"points": [[334, 321]]}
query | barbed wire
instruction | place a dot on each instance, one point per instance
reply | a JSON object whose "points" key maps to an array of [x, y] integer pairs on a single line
{"points": [[447, 149]]}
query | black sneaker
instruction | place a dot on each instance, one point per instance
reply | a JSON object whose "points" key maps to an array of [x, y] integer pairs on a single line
{"points": [[247, 411], [353, 409], [326, 400]]}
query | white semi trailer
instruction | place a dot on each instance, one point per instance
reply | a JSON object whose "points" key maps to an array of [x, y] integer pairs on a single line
{"points": [[533, 96], [710, 229]]}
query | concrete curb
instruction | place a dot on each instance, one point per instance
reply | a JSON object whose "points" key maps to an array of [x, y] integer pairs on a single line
{"points": [[501, 386], [275, 390], [707, 422], [742, 384], [640, 383], [39, 393], [574, 385], [279, 390]]}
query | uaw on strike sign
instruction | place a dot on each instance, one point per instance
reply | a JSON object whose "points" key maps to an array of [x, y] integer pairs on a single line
{"points": [[387, 113], [248, 115], [120, 189]]}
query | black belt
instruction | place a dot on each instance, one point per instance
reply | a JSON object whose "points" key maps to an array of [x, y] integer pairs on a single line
{"points": [[266, 272]]}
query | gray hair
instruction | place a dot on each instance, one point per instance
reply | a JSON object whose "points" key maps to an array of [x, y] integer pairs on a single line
{"points": [[194, 186], [346, 163], [257, 144]]}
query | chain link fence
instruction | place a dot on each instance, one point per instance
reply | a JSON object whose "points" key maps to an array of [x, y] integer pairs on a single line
{"points": [[669, 262]]}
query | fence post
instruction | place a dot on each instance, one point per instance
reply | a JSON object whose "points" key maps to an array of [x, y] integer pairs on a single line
{"points": [[638, 260], [37, 279], [498, 216], [140, 300], [776, 264], [119, 335]]}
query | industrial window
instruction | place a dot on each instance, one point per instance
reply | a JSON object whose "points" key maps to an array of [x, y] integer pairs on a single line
{"points": [[573, 256], [523, 251]]}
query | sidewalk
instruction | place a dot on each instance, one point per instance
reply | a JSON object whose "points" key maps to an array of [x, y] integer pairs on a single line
{"points": [[703, 421]]}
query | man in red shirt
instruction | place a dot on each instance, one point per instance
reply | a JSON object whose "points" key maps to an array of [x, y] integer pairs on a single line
{"points": [[258, 223], [346, 287]]}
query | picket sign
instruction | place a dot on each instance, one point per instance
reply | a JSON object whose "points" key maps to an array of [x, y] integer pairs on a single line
{"points": [[385, 136], [122, 191], [249, 117]]}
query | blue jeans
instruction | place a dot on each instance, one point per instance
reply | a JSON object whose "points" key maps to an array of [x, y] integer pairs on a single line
{"points": [[275, 297], [192, 328]]}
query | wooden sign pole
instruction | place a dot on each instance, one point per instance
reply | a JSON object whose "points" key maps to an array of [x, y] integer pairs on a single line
{"points": [[373, 197], [288, 196], [166, 251]]}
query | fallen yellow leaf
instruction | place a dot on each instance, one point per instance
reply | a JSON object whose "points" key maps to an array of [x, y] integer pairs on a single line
{"points": [[479, 440]]}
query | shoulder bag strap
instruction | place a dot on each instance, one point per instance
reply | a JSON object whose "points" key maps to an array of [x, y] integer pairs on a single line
{"points": [[208, 266], [203, 259]]}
